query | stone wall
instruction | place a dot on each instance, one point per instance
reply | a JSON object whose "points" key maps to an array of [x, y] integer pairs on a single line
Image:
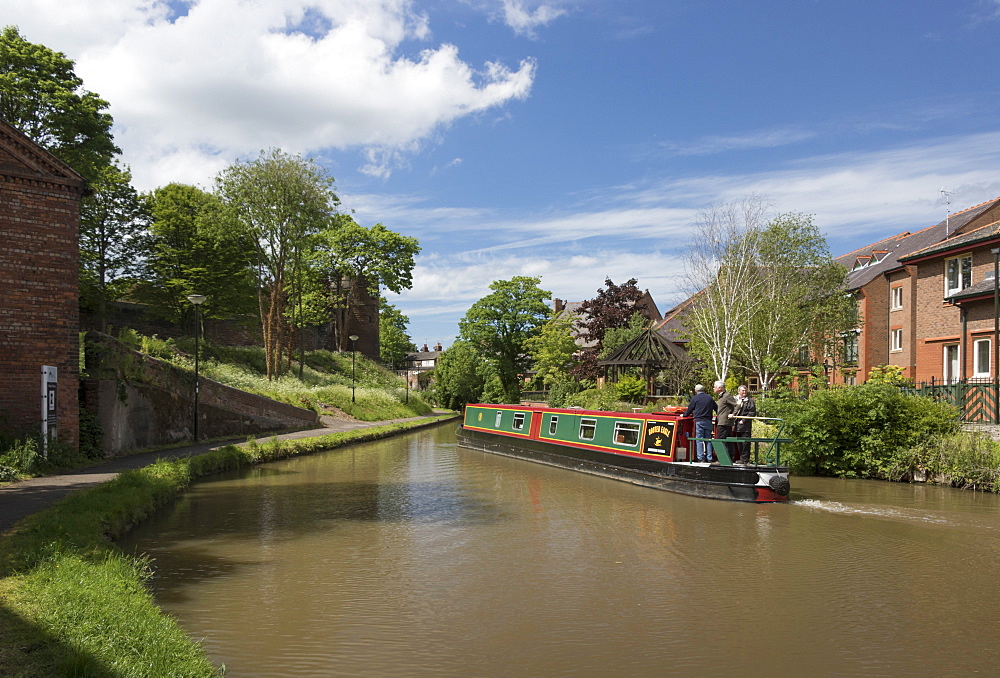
{"points": [[144, 402]]}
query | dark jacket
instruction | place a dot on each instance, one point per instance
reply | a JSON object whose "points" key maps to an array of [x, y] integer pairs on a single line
{"points": [[747, 408], [701, 406], [726, 405]]}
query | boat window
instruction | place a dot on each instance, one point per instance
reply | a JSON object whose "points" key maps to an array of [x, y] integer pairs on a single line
{"points": [[499, 417], [587, 429], [626, 433], [518, 421], [552, 424]]}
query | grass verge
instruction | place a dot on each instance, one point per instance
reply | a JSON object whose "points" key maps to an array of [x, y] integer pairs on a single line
{"points": [[72, 604]]}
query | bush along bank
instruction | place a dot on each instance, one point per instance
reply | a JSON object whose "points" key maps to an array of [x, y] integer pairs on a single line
{"points": [[876, 431], [71, 603]]}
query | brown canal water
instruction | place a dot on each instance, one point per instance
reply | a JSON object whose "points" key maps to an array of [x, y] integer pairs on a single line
{"points": [[414, 557]]}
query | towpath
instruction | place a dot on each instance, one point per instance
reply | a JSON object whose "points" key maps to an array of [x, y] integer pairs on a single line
{"points": [[21, 499]]}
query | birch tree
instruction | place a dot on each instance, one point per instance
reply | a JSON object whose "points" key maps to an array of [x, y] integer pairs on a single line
{"points": [[721, 268]]}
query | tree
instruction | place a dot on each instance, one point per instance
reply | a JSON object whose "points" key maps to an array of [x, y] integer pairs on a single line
{"points": [[376, 257], [194, 249], [616, 337], [459, 376], [800, 298], [113, 229], [279, 201], [612, 308], [498, 326], [394, 342], [552, 350], [721, 271], [42, 96]]}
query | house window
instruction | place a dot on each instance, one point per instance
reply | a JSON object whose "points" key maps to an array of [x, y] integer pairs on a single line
{"points": [[499, 417], [626, 433], [553, 422], [981, 351], [957, 274], [804, 357], [896, 340], [850, 347], [896, 298], [587, 429], [518, 421], [851, 379], [951, 369]]}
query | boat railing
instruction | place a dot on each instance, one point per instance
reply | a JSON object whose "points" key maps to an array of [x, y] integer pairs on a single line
{"points": [[771, 455]]}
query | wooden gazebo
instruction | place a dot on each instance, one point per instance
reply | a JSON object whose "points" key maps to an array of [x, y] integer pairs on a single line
{"points": [[650, 352]]}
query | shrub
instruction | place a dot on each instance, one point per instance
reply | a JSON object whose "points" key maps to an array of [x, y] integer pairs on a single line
{"points": [[560, 392], [631, 389], [862, 431], [18, 458]]}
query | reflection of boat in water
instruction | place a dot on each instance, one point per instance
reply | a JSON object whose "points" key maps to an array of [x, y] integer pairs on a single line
{"points": [[649, 449]]}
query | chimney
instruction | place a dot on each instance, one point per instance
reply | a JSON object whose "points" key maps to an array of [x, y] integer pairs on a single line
{"points": [[424, 349], [558, 305], [437, 346]]}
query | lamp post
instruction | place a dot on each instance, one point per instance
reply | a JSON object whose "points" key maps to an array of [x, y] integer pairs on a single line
{"points": [[353, 339], [197, 300]]}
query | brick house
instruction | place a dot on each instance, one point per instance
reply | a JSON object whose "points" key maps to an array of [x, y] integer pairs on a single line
{"points": [[39, 265], [911, 289], [952, 281]]}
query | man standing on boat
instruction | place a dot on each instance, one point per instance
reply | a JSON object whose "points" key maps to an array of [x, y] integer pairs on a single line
{"points": [[702, 407], [742, 428], [726, 405]]}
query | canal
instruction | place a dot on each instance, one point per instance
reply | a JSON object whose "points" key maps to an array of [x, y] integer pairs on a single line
{"points": [[414, 557]]}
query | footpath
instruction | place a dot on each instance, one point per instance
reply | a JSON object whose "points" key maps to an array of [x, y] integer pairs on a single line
{"points": [[21, 499]]}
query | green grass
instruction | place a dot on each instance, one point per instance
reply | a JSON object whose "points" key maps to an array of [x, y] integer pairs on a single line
{"points": [[72, 604]]}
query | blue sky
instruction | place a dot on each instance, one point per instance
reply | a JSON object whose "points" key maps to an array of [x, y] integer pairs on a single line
{"points": [[572, 140]]}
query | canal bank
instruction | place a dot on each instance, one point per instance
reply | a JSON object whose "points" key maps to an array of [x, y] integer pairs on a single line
{"points": [[71, 602]]}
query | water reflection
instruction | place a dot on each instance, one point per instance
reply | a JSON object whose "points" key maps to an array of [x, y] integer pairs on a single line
{"points": [[412, 557]]}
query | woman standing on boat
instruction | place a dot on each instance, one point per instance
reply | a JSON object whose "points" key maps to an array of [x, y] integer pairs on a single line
{"points": [[743, 427]]}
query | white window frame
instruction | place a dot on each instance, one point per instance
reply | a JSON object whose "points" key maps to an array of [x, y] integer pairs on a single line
{"points": [[499, 419], [518, 424], [590, 426], [957, 274], [553, 424], [896, 298], [951, 369], [896, 340], [979, 357], [629, 432]]}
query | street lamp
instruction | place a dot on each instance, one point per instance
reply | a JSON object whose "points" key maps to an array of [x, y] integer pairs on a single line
{"points": [[353, 339], [197, 300]]}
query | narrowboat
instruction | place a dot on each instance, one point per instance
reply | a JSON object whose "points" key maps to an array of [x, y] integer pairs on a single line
{"points": [[654, 450]]}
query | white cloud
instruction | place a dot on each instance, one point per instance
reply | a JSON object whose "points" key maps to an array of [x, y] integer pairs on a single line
{"points": [[229, 78], [524, 21]]}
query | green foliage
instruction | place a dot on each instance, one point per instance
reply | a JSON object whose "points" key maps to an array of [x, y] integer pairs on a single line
{"points": [[616, 337], [17, 457], [613, 307], [605, 399], [967, 460], [632, 389], [113, 226], [891, 375], [552, 350], [560, 391], [861, 431], [195, 249], [499, 325], [459, 377], [41, 95], [394, 342]]}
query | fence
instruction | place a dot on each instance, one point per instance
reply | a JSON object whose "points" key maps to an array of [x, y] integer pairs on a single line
{"points": [[977, 399]]}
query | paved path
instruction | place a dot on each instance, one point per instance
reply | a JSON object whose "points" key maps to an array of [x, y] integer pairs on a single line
{"points": [[21, 499]]}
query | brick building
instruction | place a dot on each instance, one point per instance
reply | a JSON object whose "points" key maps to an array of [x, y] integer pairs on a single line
{"points": [[39, 265], [925, 301]]}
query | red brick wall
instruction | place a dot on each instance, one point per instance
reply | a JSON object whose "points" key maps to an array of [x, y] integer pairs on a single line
{"points": [[39, 255]]}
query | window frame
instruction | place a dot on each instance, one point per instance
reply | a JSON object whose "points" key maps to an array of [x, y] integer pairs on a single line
{"points": [[977, 355], [589, 424], [499, 419], [553, 424], [961, 273], [896, 298], [896, 340], [626, 428], [518, 423]]}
